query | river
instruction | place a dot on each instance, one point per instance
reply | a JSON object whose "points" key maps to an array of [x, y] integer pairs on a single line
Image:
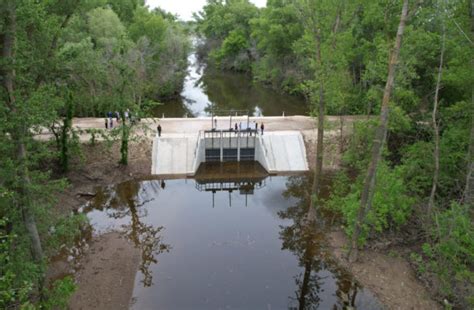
{"points": [[207, 89], [232, 238]]}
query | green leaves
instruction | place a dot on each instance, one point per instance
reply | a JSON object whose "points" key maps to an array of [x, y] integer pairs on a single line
{"points": [[452, 253], [65, 59], [391, 205], [227, 26]]}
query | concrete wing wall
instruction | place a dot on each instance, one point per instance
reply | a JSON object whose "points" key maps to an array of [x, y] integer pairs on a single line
{"points": [[283, 151], [174, 154]]}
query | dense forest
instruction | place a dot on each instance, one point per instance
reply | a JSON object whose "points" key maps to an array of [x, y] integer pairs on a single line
{"points": [[407, 66], [409, 61], [64, 59]]}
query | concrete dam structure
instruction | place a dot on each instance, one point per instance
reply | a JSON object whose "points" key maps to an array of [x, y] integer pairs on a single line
{"points": [[182, 154]]}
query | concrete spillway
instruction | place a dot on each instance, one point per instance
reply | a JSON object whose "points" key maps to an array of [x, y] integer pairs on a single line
{"points": [[181, 154]]}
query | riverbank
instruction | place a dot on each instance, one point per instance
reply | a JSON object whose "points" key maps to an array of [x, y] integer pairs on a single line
{"points": [[390, 278], [386, 274], [107, 267]]}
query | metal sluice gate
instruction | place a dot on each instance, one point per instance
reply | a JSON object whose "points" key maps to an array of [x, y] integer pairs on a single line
{"points": [[230, 145]]}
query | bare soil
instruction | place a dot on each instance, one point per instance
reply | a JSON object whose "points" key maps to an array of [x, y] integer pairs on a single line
{"points": [[107, 271], [99, 167], [387, 275], [107, 278], [108, 268]]}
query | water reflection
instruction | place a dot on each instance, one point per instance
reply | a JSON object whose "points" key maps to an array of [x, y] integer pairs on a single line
{"points": [[242, 177], [265, 255], [126, 201], [305, 239], [205, 89]]}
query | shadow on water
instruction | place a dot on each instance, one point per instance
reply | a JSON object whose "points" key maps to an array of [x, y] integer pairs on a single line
{"points": [[233, 237]]}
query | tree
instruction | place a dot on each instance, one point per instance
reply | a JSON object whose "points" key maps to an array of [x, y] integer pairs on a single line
{"points": [[379, 139], [226, 27], [435, 124], [19, 130], [317, 17]]}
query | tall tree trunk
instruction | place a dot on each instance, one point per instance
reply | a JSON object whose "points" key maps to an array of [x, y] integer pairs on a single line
{"points": [[318, 173], [25, 202], [124, 140], [379, 139], [67, 125], [19, 132], [320, 142], [435, 126]]}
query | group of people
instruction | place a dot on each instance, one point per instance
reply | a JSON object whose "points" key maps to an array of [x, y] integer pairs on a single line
{"points": [[109, 120], [238, 127]]}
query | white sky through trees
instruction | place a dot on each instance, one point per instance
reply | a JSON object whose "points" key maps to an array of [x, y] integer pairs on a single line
{"points": [[185, 8]]}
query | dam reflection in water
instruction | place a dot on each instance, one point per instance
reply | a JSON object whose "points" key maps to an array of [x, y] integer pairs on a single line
{"points": [[233, 238]]}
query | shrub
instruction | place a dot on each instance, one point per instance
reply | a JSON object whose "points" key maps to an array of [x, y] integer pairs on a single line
{"points": [[451, 254], [391, 205]]}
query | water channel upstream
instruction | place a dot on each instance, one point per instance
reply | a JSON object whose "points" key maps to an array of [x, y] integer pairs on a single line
{"points": [[232, 237], [206, 89]]}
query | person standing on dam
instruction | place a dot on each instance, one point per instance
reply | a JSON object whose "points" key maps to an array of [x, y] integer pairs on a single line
{"points": [[158, 129], [261, 128]]}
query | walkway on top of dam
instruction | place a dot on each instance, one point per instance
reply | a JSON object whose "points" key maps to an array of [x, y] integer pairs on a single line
{"points": [[194, 125]]}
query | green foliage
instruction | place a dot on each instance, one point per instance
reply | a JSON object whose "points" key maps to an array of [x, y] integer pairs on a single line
{"points": [[11, 290], [416, 170], [148, 24], [451, 255], [360, 144], [390, 208], [69, 58], [125, 8], [58, 296], [226, 27], [105, 27], [63, 232]]}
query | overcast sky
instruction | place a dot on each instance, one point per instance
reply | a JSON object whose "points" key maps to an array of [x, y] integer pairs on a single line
{"points": [[185, 8]]}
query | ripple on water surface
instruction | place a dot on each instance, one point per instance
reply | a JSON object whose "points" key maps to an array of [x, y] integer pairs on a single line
{"points": [[225, 241]]}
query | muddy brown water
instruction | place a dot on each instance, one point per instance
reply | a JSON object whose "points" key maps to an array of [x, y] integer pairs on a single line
{"points": [[232, 238], [206, 89]]}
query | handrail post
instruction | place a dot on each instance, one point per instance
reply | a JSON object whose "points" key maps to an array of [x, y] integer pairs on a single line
{"points": [[222, 147], [238, 146]]}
